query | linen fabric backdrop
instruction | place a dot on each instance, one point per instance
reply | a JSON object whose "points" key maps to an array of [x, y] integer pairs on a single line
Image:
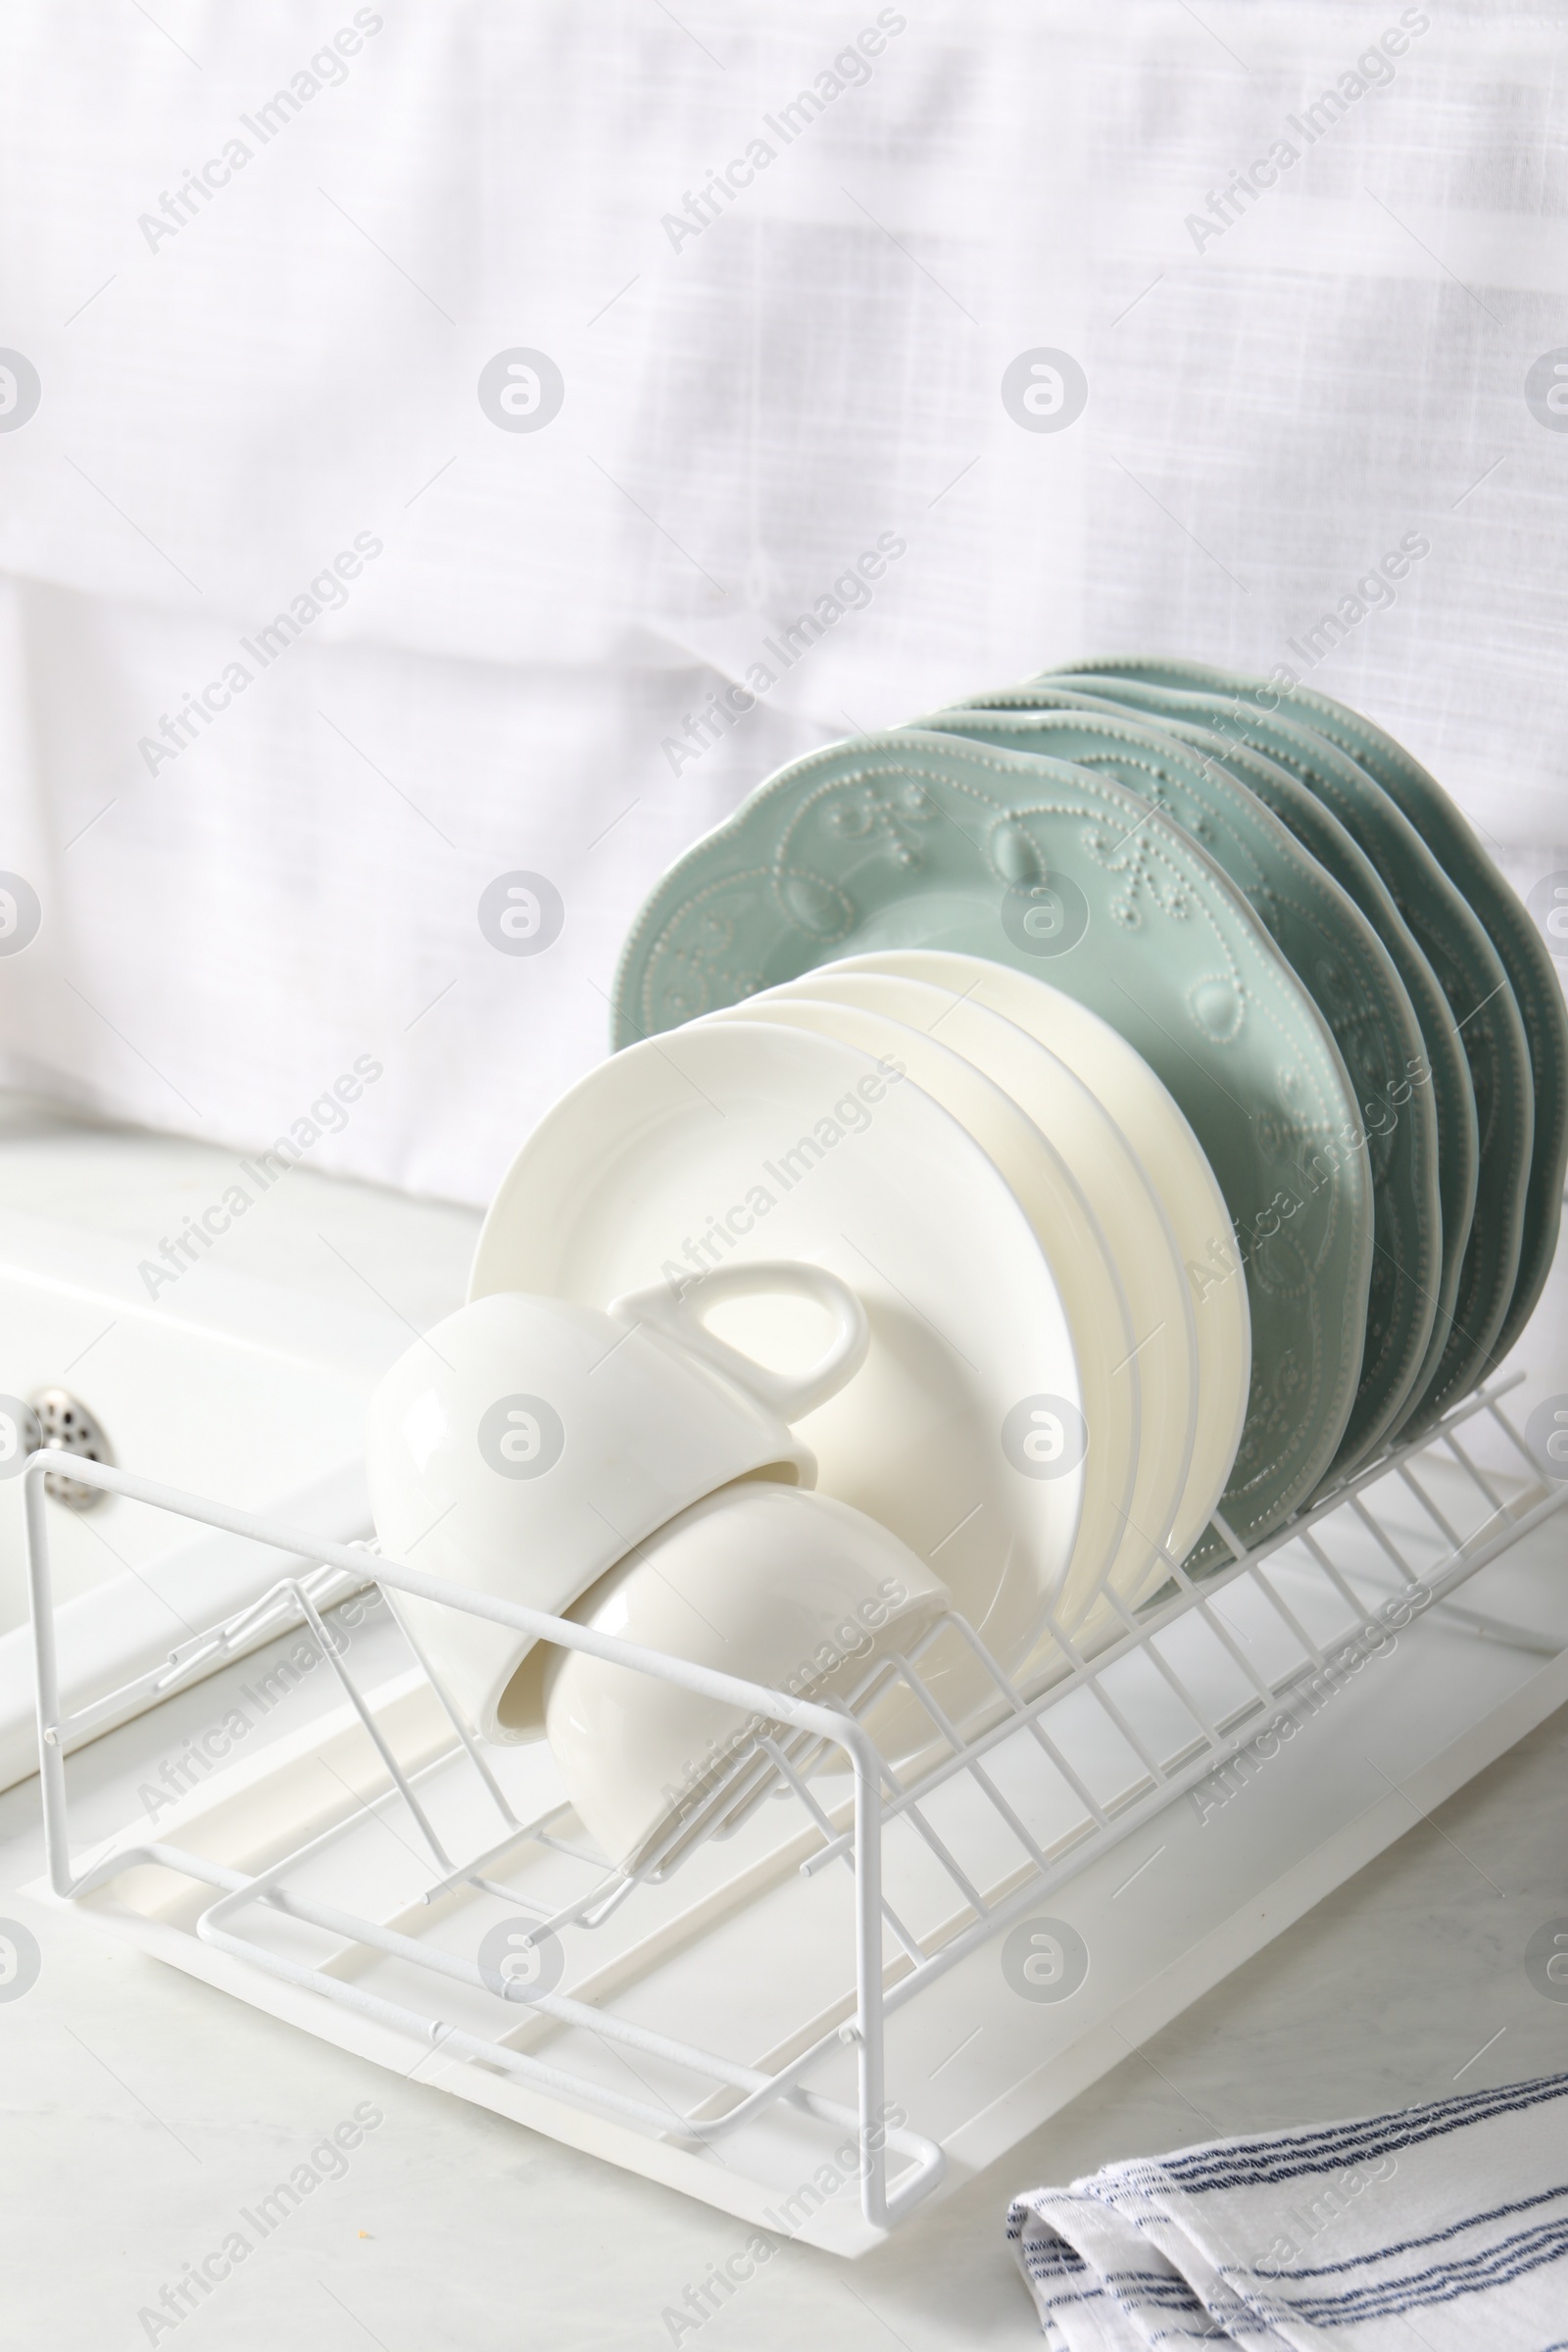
{"points": [[267, 275]]}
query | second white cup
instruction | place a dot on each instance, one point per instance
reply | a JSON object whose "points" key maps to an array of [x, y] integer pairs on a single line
{"points": [[798, 1592]]}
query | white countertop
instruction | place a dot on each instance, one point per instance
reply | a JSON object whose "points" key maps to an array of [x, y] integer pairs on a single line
{"points": [[145, 2111]]}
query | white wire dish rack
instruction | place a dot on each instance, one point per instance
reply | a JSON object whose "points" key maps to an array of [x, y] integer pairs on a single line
{"points": [[840, 1989]]}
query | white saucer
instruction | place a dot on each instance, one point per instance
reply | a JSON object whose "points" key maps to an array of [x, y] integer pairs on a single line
{"points": [[1137, 1231], [1068, 1231], [1160, 1136], [745, 1139]]}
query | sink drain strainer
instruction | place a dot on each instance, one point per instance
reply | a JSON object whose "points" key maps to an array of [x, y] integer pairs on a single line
{"points": [[64, 1421]]}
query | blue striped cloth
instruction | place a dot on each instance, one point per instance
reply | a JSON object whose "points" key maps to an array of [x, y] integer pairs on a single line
{"points": [[1443, 2226]]}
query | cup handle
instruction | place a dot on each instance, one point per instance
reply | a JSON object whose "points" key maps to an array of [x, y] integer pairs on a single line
{"points": [[790, 1394]]}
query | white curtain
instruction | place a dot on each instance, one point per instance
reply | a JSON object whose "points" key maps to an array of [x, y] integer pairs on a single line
{"points": [[265, 277]]}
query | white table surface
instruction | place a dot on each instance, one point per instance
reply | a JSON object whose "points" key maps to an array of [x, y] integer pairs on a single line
{"points": [[143, 2110]]}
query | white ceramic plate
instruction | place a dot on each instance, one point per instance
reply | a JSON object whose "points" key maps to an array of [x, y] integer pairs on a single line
{"points": [[1067, 1229], [1158, 1133], [1135, 1229], [748, 1139]]}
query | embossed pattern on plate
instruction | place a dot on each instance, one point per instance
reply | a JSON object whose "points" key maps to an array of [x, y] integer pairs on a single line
{"points": [[1319, 830], [917, 840], [1481, 1004], [1339, 960], [1525, 959]]}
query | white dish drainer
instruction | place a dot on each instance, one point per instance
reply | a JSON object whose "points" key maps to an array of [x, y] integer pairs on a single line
{"points": [[877, 1896]]}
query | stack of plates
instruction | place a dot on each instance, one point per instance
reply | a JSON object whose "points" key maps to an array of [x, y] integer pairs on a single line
{"points": [[1161, 1059], [1059, 1368]]}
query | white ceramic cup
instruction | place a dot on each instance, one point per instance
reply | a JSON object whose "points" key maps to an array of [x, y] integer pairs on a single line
{"points": [[796, 1590], [525, 1444]]}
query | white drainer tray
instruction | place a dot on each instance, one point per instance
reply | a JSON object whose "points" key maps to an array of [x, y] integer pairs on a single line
{"points": [[847, 1992]]}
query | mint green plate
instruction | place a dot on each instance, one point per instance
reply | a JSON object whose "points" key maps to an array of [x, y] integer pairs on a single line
{"points": [[1525, 959], [1481, 1004], [920, 840], [1319, 830], [1339, 960]]}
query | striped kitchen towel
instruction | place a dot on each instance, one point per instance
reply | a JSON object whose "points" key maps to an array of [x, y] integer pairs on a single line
{"points": [[1443, 2226]]}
